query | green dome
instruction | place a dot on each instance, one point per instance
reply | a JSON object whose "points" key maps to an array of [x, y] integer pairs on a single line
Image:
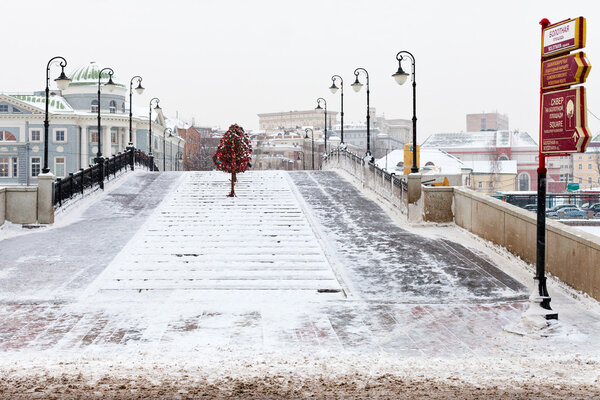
{"points": [[88, 75]]}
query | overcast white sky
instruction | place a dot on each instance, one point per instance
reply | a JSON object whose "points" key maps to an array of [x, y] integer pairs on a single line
{"points": [[225, 61]]}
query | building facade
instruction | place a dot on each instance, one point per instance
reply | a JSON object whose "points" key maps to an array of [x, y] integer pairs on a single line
{"points": [[73, 130], [291, 120], [487, 122]]}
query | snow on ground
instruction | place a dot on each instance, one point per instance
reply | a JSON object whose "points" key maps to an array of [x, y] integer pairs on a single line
{"points": [[594, 230], [145, 302]]}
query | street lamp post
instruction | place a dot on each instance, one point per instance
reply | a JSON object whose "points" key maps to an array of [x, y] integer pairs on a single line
{"points": [[110, 85], [312, 134], [157, 108], [320, 108], [357, 86], [62, 82], [400, 77], [139, 89], [165, 147], [333, 88]]}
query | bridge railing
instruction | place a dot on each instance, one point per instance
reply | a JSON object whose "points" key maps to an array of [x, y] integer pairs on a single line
{"points": [[388, 185], [78, 182]]}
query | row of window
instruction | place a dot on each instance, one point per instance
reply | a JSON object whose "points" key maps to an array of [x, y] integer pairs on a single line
{"points": [[4, 109], [59, 135], [112, 106], [590, 166], [9, 167]]}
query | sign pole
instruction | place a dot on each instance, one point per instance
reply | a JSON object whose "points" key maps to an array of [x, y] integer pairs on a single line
{"points": [[542, 297]]}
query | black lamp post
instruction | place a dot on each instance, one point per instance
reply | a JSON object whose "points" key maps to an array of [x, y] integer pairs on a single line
{"points": [[357, 86], [62, 82], [139, 89], [333, 88], [157, 108], [312, 134], [400, 77], [165, 147], [110, 85], [320, 108]]}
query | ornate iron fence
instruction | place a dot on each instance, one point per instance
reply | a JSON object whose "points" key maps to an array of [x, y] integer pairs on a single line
{"points": [[78, 182]]}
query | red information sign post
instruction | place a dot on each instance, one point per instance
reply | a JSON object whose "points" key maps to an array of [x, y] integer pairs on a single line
{"points": [[563, 126]]}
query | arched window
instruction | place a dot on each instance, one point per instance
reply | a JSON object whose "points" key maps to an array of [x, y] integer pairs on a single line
{"points": [[6, 136], [429, 164], [524, 181], [112, 107], [94, 106], [503, 157]]}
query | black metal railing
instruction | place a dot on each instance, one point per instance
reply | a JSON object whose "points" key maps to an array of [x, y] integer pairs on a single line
{"points": [[78, 182]]}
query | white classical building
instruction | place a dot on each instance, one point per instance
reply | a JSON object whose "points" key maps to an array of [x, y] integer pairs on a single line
{"points": [[73, 131]]}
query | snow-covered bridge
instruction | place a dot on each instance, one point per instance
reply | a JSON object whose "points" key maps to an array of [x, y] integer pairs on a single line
{"points": [[164, 270]]}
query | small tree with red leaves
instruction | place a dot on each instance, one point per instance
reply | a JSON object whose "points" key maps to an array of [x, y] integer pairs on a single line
{"points": [[233, 153]]}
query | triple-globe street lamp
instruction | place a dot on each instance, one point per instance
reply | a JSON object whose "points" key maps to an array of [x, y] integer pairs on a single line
{"points": [[357, 86], [400, 77], [157, 109], [110, 85], [62, 82], [320, 108], [333, 88], [139, 89]]}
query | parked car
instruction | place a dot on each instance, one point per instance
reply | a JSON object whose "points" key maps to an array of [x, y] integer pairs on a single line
{"points": [[531, 207], [569, 212], [593, 207], [560, 207]]}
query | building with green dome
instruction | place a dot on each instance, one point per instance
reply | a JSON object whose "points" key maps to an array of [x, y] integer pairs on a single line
{"points": [[73, 131]]}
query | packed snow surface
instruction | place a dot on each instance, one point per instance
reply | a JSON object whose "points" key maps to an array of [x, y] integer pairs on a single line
{"points": [[302, 286]]}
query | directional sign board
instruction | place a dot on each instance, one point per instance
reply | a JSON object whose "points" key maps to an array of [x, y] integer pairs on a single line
{"points": [[564, 121], [567, 70], [564, 36]]}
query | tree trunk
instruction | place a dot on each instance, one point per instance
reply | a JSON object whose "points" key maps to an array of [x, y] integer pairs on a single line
{"points": [[232, 194]]}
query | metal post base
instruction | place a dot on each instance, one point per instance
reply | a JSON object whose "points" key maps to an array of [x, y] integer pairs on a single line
{"points": [[132, 149], [540, 301]]}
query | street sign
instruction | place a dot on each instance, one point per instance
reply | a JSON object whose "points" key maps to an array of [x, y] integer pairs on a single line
{"points": [[567, 70], [564, 122], [563, 37]]}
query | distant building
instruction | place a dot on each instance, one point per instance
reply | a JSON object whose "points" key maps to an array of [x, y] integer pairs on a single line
{"points": [[586, 166], [487, 122], [201, 145], [495, 146], [291, 120]]}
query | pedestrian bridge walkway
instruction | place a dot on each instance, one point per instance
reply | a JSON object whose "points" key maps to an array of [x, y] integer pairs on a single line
{"points": [[166, 263]]}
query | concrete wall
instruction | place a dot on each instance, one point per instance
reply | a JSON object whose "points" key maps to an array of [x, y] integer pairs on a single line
{"points": [[437, 203], [2, 205], [21, 205], [571, 255]]}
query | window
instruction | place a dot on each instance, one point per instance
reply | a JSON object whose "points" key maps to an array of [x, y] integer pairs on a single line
{"points": [[36, 166], [580, 166], [503, 157], [480, 185], [35, 135], [490, 184], [16, 110], [580, 180], [4, 167], [15, 167], [93, 136], [94, 106], [60, 135], [590, 180], [113, 136], [112, 107], [6, 136], [524, 182], [483, 124], [59, 167], [123, 107], [4, 108], [589, 166]]}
